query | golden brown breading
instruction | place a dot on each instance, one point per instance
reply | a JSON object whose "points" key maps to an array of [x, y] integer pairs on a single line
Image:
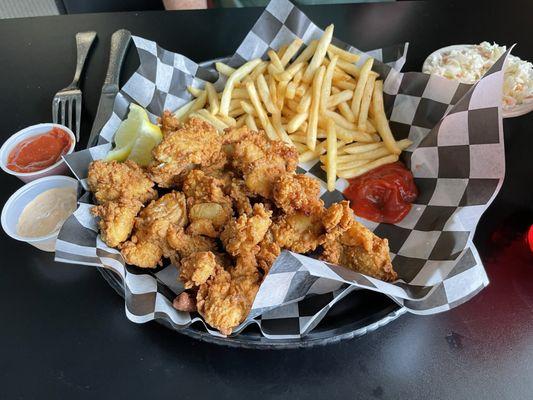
{"points": [[194, 144], [169, 123], [269, 250], [361, 250], [241, 196], [116, 220], [209, 208], [197, 268], [148, 243], [186, 244], [225, 300], [300, 232], [242, 235], [112, 180], [261, 161], [296, 192]]}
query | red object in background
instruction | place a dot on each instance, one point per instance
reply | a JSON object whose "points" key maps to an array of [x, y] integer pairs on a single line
{"points": [[529, 238], [39, 152], [384, 194]]}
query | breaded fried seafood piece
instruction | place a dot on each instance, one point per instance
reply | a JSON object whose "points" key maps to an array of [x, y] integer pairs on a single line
{"points": [[112, 180], [194, 144], [148, 244], [116, 220], [296, 192]]}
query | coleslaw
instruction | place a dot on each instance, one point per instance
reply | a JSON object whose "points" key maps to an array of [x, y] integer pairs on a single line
{"points": [[468, 64]]}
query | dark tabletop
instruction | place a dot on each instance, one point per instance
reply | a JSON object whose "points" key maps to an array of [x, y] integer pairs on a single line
{"points": [[64, 333]]}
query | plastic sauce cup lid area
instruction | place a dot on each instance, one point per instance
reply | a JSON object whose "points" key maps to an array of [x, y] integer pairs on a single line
{"points": [[30, 131], [15, 205]]}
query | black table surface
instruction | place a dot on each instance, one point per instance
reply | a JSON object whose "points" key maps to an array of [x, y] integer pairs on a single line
{"points": [[64, 333]]}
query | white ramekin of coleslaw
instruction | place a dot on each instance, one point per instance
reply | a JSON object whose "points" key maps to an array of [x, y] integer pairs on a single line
{"points": [[467, 63]]}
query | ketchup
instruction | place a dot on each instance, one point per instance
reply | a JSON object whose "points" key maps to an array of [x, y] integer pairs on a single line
{"points": [[383, 194], [39, 152]]}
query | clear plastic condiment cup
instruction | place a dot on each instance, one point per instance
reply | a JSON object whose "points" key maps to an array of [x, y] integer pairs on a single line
{"points": [[20, 199], [59, 168]]}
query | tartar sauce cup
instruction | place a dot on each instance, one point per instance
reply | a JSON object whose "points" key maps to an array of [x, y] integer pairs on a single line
{"points": [[20, 199], [59, 168]]}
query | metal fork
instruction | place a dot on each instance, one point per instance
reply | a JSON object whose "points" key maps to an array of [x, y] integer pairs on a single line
{"points": [[68, 98]]}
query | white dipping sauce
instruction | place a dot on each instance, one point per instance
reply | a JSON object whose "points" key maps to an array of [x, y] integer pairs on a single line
{"points": [[47, 212]]}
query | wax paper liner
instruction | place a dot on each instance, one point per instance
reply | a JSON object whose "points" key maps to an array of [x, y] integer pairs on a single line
{"points": [[457, 159]]}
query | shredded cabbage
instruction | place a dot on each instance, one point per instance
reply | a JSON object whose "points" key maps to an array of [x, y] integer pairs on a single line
{"points": [[469, 63]]}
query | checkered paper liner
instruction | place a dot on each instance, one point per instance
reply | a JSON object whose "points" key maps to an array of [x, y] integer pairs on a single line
{"points": [[457, 159]]}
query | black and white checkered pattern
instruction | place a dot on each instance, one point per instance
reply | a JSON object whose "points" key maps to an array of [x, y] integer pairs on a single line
{"points": [[457, 158]]}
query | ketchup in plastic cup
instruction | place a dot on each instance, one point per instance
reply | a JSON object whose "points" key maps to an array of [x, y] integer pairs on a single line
{"points": [[39, 152], [383, 194], [37, 149]]}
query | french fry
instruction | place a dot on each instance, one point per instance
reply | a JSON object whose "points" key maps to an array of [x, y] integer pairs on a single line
{"points": [[212, 97], [365, 102], [250, 122], [341, 97], [280, 130], [280, 90], [248, 108], [315, 103], [373, 150], [349, 68], [338, 119], [305, 103], [264, 93], [343, 54], [299, 137], [297, 78], [209, 118], [236, 112], [307, 53], [360, 170], [265, 123], [272, 89], [292, 104], [302, 89], [259, 70], [359, 89], [350, 165], [382, 125], [291, 71], [191, 107], [194, 91], [319, 54], [345, 85], [224, 69], [290, 92], [235, 77], [301, 147], [346, 112], [370, 127], [230, 121], [291, 50], [296, 122], [326, 85], [282, 50], [239, 93], [331, 156], [275, 61]]}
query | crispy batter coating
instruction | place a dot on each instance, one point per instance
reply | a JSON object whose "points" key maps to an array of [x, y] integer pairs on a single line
{"points": [[239, 194], [186, 244], [262, 161], [359, 249], [116, 220], [295, 192], [224, 300], [148, 243], [209, 207], [194, 144], [300, 232], [242, 235], [112, 180]]}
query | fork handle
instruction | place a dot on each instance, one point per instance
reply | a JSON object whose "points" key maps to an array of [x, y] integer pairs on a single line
{"points": [[119, 44], [84, 41]]}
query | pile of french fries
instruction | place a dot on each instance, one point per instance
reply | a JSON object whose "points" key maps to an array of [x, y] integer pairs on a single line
{"points": [[321, 102]]}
